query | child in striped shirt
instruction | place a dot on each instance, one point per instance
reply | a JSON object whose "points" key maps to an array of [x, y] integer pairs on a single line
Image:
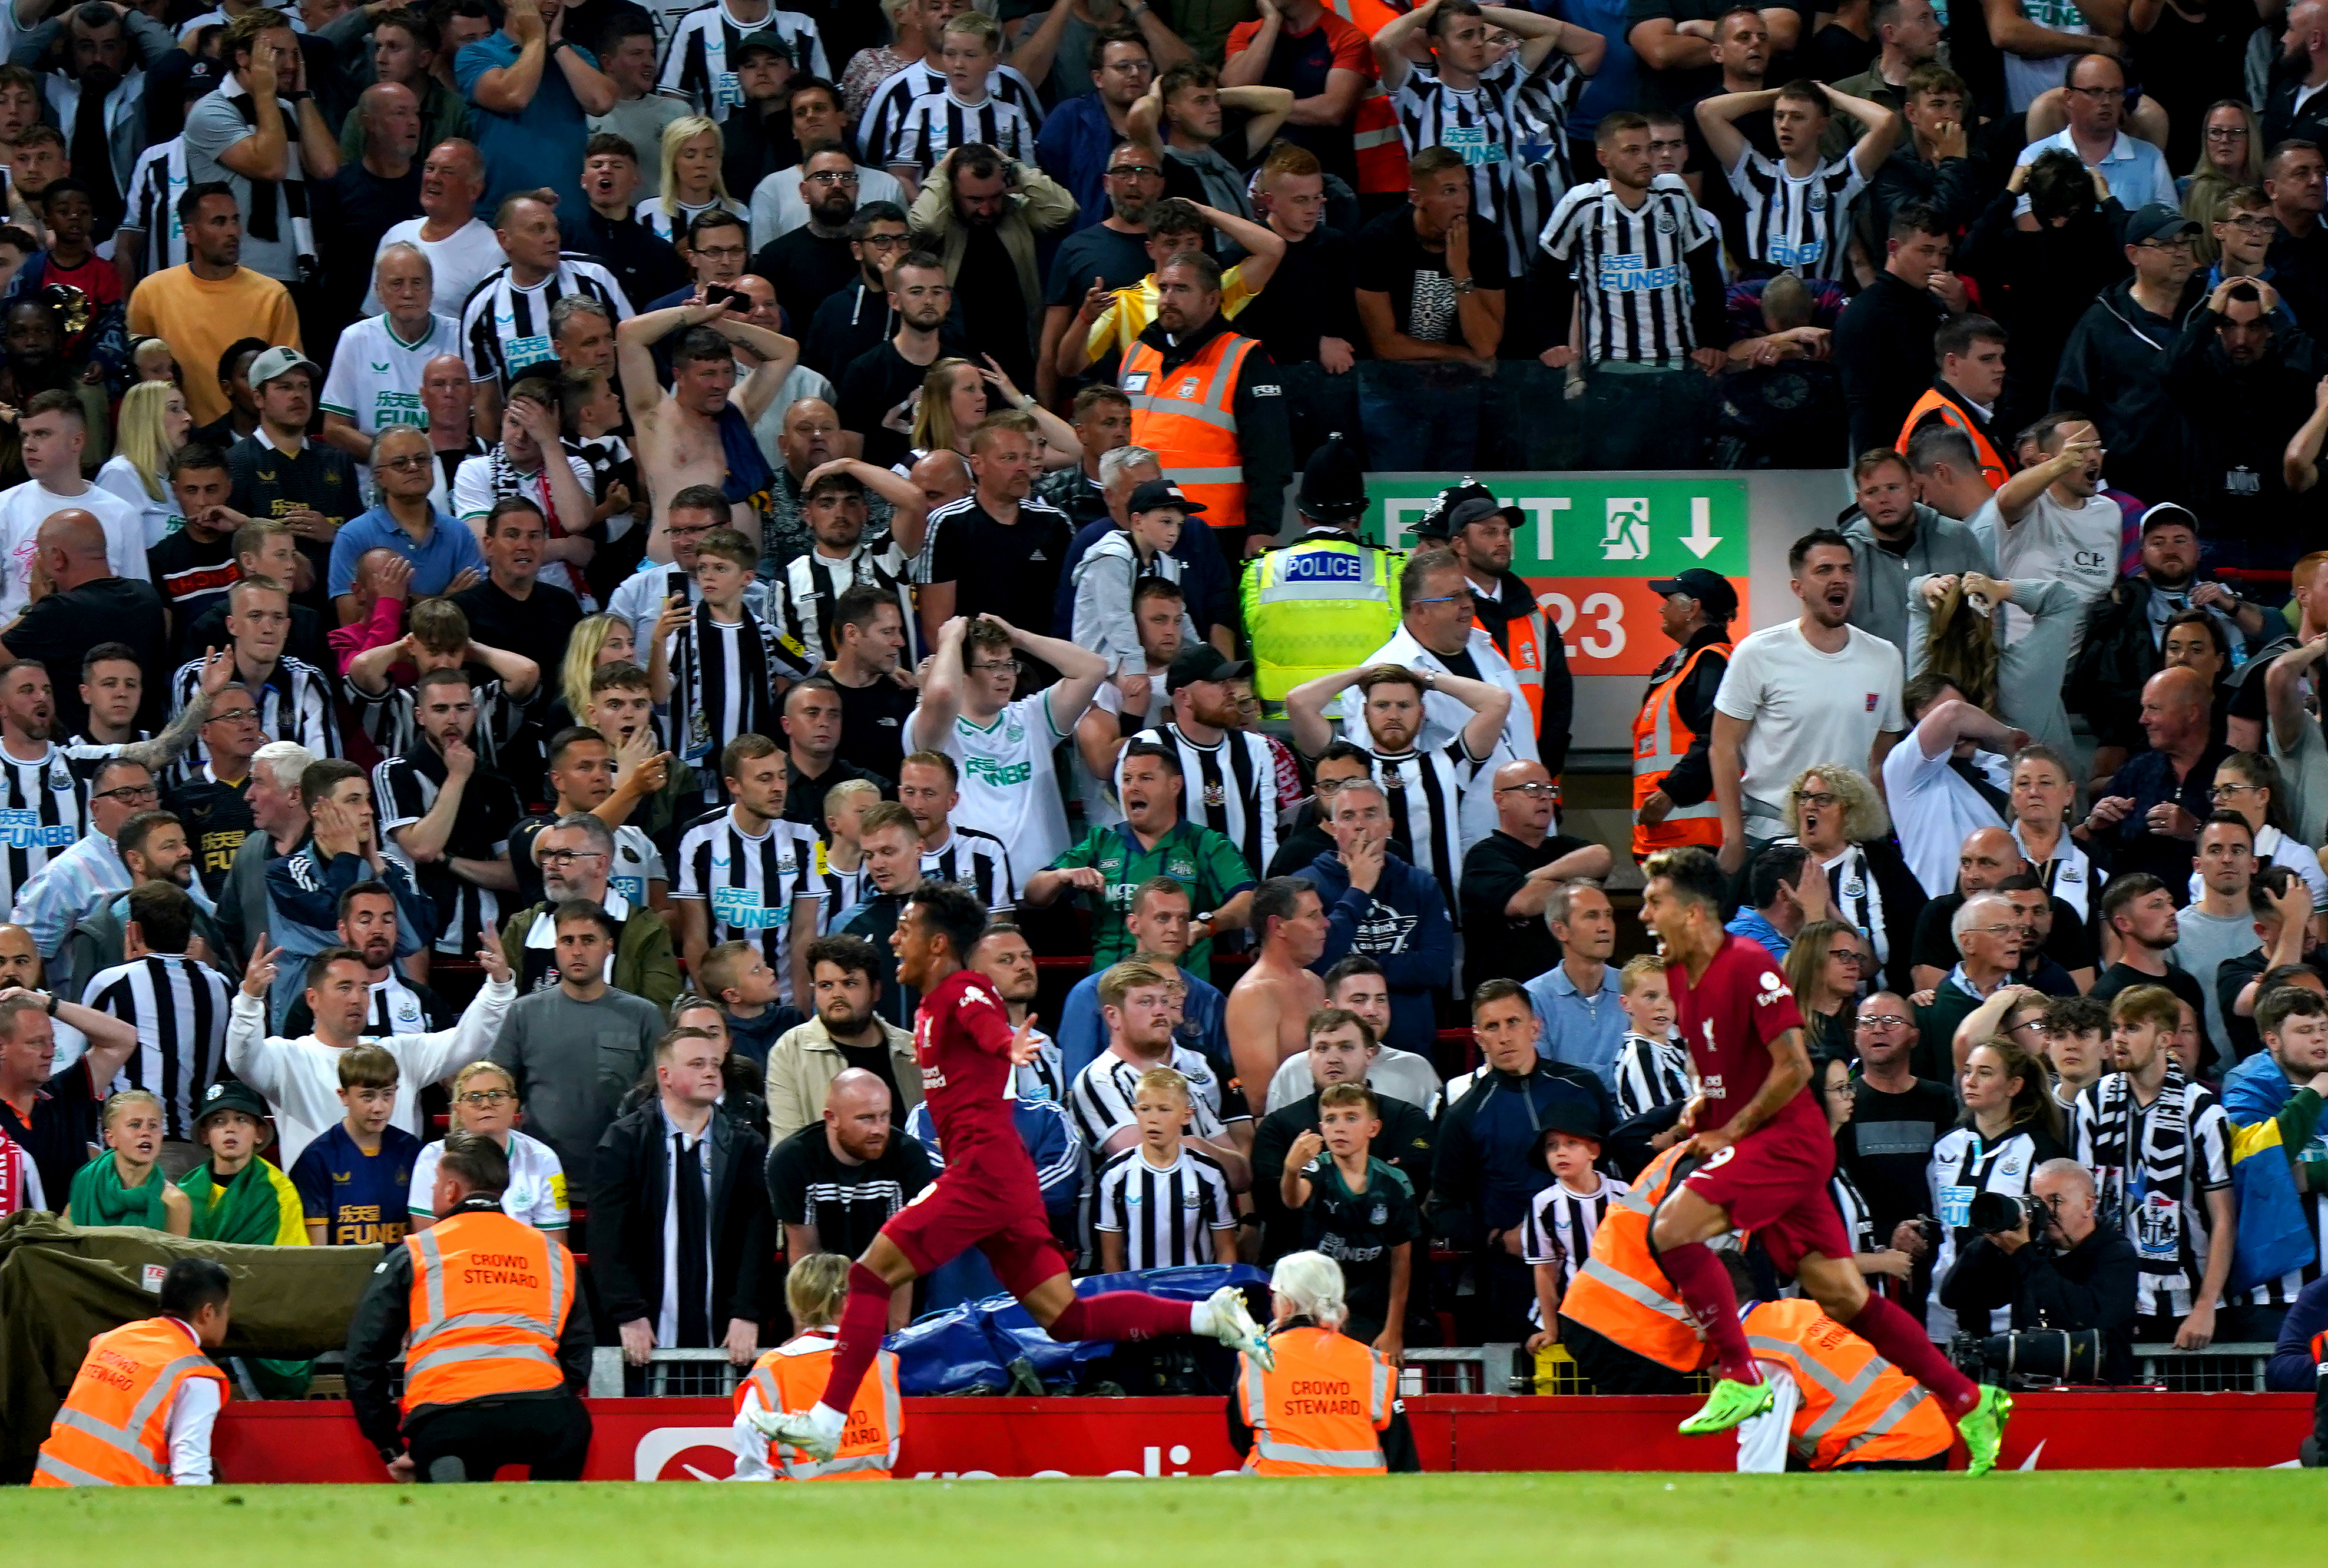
{"points": [[1652, 1066], [1164, 1203], [1556, 1237]]}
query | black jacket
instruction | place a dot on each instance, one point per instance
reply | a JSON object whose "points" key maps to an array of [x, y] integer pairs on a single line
{"points": [[1513, 600], [2113, 369], [2091, 1286], [642, 261], [1265, 439], [2240, 419], [384, 1317], [1481, 1177], [2037, 282], [626, 1207], [1882, 346]]}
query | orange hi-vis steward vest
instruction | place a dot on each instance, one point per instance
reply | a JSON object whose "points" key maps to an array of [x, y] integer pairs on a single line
{"points": [[792, 1376], [1992, 466], [490, 1297], [1660, 741], [1621, 1294], [114, 1429], [1318, 1413], [1526, 634], [1188, 417], [1374, 125], [1856, 1407]]}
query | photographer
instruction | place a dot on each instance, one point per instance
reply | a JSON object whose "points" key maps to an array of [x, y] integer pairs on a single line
{"points": [[2076, 1276]]}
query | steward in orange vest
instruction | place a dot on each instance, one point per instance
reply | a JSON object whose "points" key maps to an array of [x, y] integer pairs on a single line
{"points": [[1673, 776], [1839, 1405], [141, 1407], [1944, 404], [1620, 1318], [498, 1352], [792, 1377], [1329, 1407], [1207, 402], [1374, 124]]}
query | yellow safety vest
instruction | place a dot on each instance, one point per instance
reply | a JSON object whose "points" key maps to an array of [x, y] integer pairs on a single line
{"points": [[1314, 606]]}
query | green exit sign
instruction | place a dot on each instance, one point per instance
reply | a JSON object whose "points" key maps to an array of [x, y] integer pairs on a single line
{"points": [[1582, 526]]}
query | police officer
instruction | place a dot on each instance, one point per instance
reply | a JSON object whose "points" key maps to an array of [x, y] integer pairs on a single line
{"points": [[1673, 780], [140, 1410], [498, 1354], [1325, 600], [1480, 533]]}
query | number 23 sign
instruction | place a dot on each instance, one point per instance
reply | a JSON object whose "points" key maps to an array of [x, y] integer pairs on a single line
{"points": [[1589, 545]]}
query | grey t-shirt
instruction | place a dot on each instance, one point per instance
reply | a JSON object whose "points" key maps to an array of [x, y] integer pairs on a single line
{"points": [[213, 125], [574, 1061], [2206, 941]]}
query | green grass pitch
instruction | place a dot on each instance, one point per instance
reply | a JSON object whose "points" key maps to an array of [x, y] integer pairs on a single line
{"points": [[2120, 1518]]}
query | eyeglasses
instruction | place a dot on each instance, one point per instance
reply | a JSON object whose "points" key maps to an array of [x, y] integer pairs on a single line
{"points": [[483, 1097], [1461, 597], [2098, 94], [2180, 246], [129, 794], [1989, 930], [721, 252], [1851, 956], [826, 177], [550, 857], [1881, 1021], [994, 666], [2253, 222], [675, 531], [234, 715], [1821, 798], [2035, 1023], [2227, 133], [1135, 171], [1531, 790], [406, 464], [2225, 791]]}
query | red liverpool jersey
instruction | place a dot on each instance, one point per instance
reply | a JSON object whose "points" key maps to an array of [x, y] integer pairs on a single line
{"points": [[962, 1040], [1728, 1019]]}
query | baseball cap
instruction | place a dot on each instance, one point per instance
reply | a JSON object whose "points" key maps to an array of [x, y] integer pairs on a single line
{"points": [[1333, 481], [1203, 662], [2157, 221], [1559, 1119], [1711, 590], [1464, 513], [229, 1094], [2170, 512], [280, 362], [1155, 495], [762, 38]]}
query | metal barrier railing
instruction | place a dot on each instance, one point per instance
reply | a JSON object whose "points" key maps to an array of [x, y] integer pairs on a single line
{"points": [[668, 1374], [2234, 1368]]}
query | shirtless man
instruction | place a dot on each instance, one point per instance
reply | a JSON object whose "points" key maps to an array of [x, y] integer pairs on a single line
{"points": [[679, 441], [1270, 1006]]}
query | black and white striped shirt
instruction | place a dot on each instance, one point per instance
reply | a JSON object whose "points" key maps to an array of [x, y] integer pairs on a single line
{"points": [[978, 860], [697, 62], [1797, 225], [294, 703], [1424, 791], [806, 587], [1101, 1097], [391, 722], [1559, 1224], [155, 183], [1230, 787], [398, 1009], [933, 126], [404, 789], [179, 1008], [505, 327], [1480, 124], [1631, 266], [723, 686], [1167, 1218], [44, 808], [1541, 172], [884, 112], [750, 883], [2154, 1166], [1649, 1073]]}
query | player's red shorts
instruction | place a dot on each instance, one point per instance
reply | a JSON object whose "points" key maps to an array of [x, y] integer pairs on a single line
{"points": [[1774, 1182], [964, 1208]]}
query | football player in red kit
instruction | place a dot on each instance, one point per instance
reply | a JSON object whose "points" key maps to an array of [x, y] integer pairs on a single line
{"points": [[987, 1196], [1765, 1157]]}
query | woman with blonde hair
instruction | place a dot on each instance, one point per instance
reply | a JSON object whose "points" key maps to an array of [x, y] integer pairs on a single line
{"points": [[693, 179], [1835, 814], [792, 1377], [2231, 154], [152, 425], [1275, 1425], [955, 400], [869, 68], [595, 640], [485, 1102]]}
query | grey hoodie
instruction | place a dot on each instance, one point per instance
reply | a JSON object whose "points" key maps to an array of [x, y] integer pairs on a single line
{"points": [[1105, 580], [1942, 547]]}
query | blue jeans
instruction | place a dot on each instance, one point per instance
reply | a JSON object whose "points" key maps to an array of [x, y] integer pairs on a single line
{"points": [[1418, 416]]}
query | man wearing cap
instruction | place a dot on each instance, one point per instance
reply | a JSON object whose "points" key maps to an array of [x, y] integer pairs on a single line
{"points": [[710, 49], [755, 133], [279, 473], [1673, 776], [1896, 539], [2114, 365], [1325, 600], [1503, 605], [1231, 773], [2095, 102]]}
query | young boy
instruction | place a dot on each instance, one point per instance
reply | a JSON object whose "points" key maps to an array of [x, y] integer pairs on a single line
{"points": [[353, 1180], [125, 1185], [736, 976], [2076, 1042], [593, 412], [840, 859], [235, 1195], [1556, 1237], [1363, 1214], [965, 112], [1652, 1066], [621, 710], [722, 669], [71, 211], [1162, 1203]]}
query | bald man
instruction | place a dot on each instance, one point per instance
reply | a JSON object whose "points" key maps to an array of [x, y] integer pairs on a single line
{"points": [[2149, 819], [806, 435], [358, 205], [1990, 860], [79, 603], [836, 1181]]}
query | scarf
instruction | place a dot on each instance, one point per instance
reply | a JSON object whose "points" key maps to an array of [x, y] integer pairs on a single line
{"points": [[749, 479], [506, 481], [704, 680], [100, 1198], [259, 221], [2142, 1165], [243, 1208]]}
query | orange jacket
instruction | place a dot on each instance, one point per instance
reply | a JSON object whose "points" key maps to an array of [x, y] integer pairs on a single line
{"points": [[114, 1429], [1856, 1407], [1993, 467], [1621, 1294], [1318, 1413], [490, 1298], [1374, 126], [792, 1377], [1661, 738], [1188, 417]]}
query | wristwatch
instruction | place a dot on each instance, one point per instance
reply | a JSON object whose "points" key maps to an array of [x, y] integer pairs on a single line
{"points": [[1463, 285]]}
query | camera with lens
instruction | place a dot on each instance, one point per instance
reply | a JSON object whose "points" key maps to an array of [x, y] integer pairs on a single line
{"points": [[2030, 1355], [1998, 1212]]}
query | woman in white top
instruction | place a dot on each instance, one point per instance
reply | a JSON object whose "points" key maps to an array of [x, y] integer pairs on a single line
{"points": [[2010, 1127], [2248, 783], [152, 425], [484, 1101], [1837, 816], [693, 179]]}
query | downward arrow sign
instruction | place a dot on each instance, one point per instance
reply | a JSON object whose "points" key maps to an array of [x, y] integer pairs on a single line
{"points": [[1699, 538]]}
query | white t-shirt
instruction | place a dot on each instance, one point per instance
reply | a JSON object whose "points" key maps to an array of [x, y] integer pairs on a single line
{"points": [[1099, 803], [536, 1194], [375, 380], [2274, 848], [1807, 707], [2078, 546], [777, 209], [456, 263], [1934, 807], [28, 505], [473, 497], [159, 517], [1009, 788]]}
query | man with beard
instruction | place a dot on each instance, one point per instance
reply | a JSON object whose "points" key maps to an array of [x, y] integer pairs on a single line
{"points": [[575, 857], [47, 903], [1896, 539], [808, 442], [845, 1032], [2050, 520], [700, 433], [214, 801], [1110, 254], [857, 316], [817, 123], [836, 1181], [1811, 691], [2238, 374], [460, 245], [609, 228], [153, 849], [985, 214], [835, 505], [270, 154], [1504, 605], [1080, 138], [279, 473], [584, 780], [450, 819], [368, 916], [879, 387], [98, 97], [811, 263]]}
